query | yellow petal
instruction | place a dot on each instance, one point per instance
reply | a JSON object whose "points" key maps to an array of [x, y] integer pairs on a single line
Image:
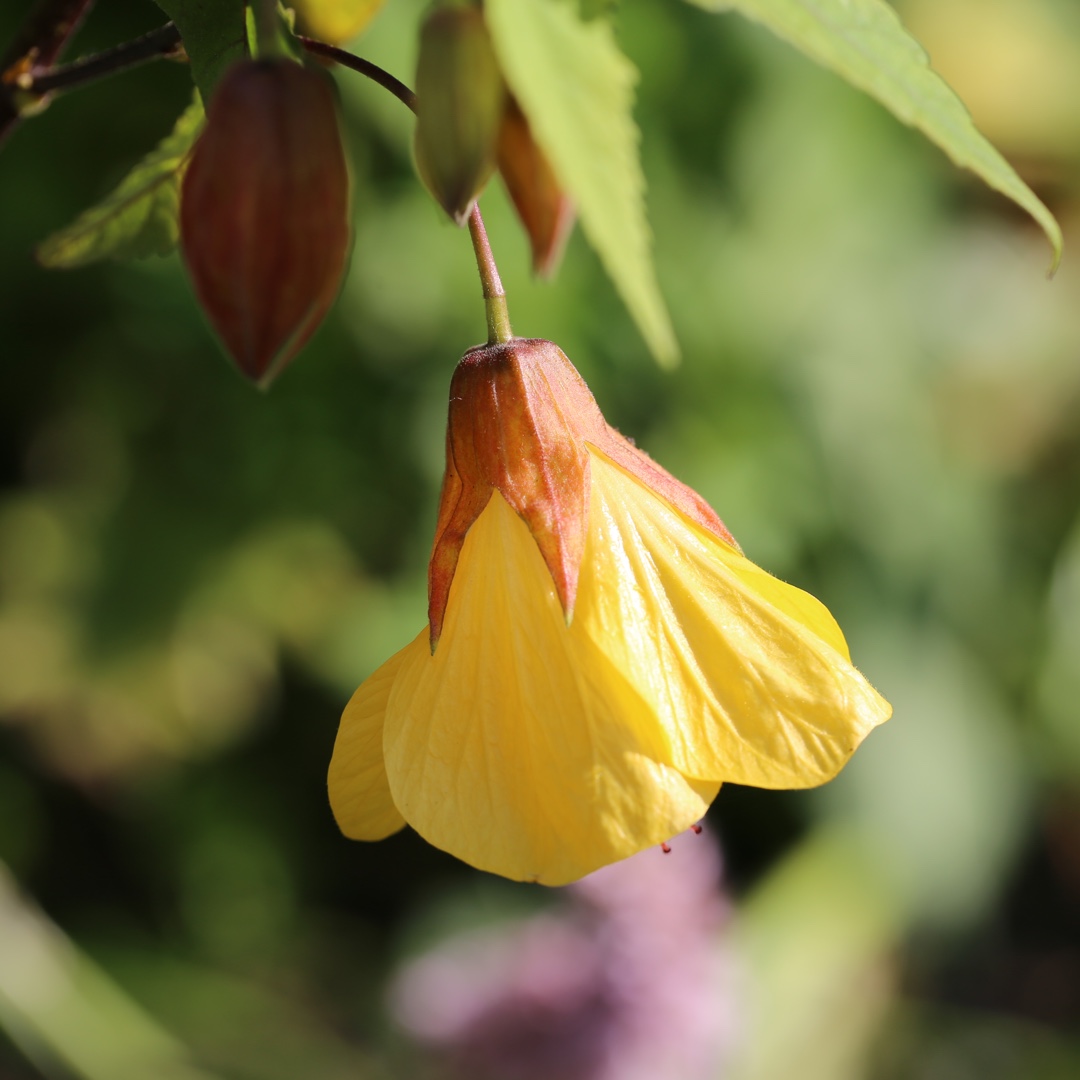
{"points": [[359, 794], [507, 751], [749, 677]]}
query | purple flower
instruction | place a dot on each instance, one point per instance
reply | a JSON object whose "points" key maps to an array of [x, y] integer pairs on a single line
{"points": [[624, 981]]}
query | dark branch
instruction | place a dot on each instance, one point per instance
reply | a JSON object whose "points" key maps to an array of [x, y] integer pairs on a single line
{"points": [[34, 82], [38, 44], [164, 41], [44, 33]]}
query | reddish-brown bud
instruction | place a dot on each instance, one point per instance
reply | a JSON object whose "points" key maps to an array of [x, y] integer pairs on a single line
{"points": [[264, 212], [461, 97], [521, 420], [541, 203]]}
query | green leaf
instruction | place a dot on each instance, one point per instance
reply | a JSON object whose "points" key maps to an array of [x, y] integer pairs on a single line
{"points": [[139, 217], [214, 35], [577, 90], [864, 42]]}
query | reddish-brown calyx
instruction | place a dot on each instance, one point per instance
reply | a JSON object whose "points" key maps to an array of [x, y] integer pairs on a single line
{"points": [[521, 420]]}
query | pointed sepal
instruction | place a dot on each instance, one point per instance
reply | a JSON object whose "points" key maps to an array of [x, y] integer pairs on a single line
{"points": [[521, 419]]}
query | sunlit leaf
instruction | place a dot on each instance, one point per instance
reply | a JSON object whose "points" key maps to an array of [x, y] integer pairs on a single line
{"points": [[214, 36], [139, 217], [864, 42], [577, 90], [86, 1025]]}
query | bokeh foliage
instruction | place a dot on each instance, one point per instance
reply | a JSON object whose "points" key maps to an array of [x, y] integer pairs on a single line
{"points": [[880, 394]]}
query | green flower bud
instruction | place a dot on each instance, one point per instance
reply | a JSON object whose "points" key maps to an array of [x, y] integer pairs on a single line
{"points": [[461, 100]]}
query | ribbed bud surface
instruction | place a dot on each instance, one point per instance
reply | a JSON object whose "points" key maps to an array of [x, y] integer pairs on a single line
{"points": [[520, 421], [264, 212], [461, 97]]}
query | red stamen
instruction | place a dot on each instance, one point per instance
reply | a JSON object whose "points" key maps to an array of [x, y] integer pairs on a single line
{"points": [[697, 829], [665, 848]]}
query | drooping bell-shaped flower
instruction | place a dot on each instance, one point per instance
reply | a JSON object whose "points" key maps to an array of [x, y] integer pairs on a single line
{"points": [[599, 657], [264, 212]]}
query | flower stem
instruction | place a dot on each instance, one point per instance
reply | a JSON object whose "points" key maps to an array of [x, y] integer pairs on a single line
{"points": [[498, 317], [363, 67], [269, 42]]}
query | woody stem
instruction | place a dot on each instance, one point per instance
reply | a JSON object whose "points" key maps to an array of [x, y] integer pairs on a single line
{"points": [[163, 41], [498, 317], [38, 42], [45, 31]]}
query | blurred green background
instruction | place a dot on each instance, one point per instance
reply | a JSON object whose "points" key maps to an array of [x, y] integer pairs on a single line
{"points": [[880, 395]]}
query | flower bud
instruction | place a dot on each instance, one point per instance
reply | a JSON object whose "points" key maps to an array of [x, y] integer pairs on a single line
{"points": [[520, 419], [461, 97], [541, 203], [264, 212]]}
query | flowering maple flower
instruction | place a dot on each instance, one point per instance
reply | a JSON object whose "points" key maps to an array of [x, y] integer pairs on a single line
{"points": [[599, 656]]}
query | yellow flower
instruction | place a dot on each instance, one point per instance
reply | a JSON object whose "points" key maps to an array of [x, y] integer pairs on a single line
{"points": [[600, 655]]}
